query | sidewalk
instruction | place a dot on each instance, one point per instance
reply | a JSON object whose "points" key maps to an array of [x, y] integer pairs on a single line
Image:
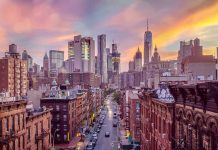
{"points": [[73, 143]]}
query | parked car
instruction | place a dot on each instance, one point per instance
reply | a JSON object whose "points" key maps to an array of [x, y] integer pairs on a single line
{"points": [[115, 115], [101, 122], [107, 134], [95, 135], [99, 126], [98, 130], [114, 124], [90, 146], [94, 141]]}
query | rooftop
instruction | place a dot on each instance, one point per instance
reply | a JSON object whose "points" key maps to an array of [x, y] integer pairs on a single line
{"points": [[35, 113]]}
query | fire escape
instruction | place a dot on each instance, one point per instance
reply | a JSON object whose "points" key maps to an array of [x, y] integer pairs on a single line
{"points": [[7, 138], [41, 137]]}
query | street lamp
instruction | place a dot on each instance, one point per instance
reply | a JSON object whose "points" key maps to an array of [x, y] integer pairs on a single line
{"points": [[56, 130]]}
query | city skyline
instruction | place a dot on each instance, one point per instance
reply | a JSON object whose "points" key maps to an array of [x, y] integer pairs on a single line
{"points": [[23, 24]]}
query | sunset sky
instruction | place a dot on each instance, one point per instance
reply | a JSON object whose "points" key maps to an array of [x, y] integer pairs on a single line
{"points": [[41, 25]]}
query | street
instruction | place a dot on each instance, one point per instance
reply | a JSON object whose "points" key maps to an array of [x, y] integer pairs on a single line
{"points": [[108, 143]]}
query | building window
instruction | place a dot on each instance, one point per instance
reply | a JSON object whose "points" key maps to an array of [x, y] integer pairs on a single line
{"points": [[57, 117], [0, 128], [64, 107], [49, 139], [164, 126], [18, 120], [36, 127], [57, 107], [65, 137], [58, 136], [13, 123], [19, 143], [65, 117], [41, 122], [23, 120], [28, 136], [23, 142], [49, 123], [159, 124]]}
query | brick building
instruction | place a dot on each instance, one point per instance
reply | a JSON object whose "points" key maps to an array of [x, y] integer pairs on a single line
{"points": [[38, 130], [78, 78], [196, 116], [14, 71], [17, 127], [69, 112], [156, 120], [134, 115]]}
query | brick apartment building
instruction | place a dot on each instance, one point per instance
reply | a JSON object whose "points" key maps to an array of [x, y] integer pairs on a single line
{"points": [[68, 114], [196, 116], [14, 71], [38, 130], [156, 121], [17, 127], [134, 116]]}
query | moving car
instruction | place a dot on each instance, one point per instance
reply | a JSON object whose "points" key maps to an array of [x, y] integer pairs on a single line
{"points": [[107, 134]]}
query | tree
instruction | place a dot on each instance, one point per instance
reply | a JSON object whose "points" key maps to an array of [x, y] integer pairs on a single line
{"points": [[116, 97]]}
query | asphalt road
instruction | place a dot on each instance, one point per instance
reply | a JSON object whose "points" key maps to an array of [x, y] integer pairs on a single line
{"points": [[108, 143]]}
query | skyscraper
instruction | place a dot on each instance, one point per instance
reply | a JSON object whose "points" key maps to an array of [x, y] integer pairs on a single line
{"points": [[131, 66], [147, 45], [82, 51], [115, 59], [109, 65], [138, 60], [56, 59], [29, 60], [46, 65], [102, 58]]}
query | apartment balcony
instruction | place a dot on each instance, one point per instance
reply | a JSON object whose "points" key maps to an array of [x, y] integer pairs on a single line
{"points": [[9, 136]]}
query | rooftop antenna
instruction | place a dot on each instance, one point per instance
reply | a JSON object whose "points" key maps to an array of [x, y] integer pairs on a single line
{"points": [[147, 24]]}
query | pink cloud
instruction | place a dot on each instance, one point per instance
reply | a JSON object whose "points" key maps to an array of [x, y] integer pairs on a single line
{"points": [[21, 17]]}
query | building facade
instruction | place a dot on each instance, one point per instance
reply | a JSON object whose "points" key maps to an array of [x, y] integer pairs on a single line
{"points": [[82, 51], [138, 61], [102, 58], [134, 116], [147, 45], [85, 80], [56, 60], [196, 116], [18, 127], [46, 65], [13, 73], [157, 113], [68, 114], [29, 60]]}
